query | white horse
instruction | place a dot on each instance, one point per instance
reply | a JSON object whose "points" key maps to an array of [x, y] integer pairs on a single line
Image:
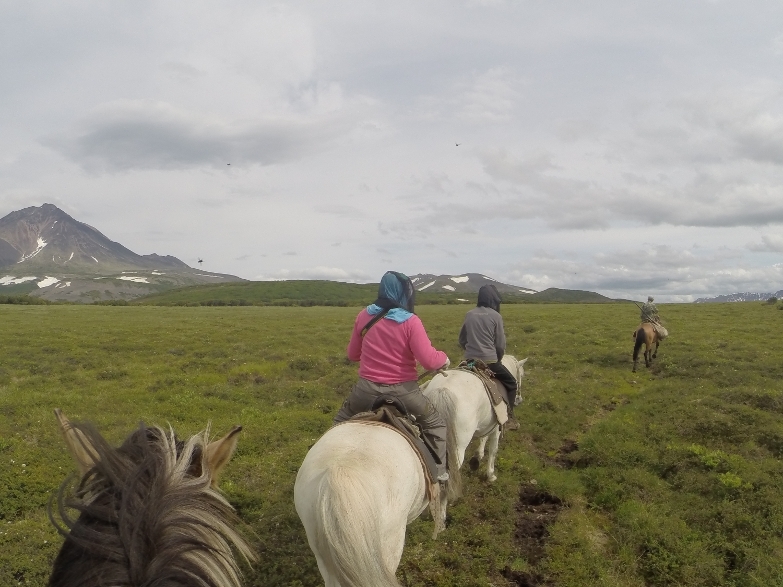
{"points": [[462, 401], [358, 488]]}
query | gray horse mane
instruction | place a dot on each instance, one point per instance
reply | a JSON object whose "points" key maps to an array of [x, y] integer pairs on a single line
{"points": [[147, 515]]}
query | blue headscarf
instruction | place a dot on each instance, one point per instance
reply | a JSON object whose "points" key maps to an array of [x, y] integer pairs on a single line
{"points": [[395, 294]]}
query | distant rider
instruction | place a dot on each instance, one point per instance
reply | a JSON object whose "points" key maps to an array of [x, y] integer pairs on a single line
{"points": [[650, 312], [483, 337], [387, 341]]}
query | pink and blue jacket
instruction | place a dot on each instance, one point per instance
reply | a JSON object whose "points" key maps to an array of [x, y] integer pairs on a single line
{"points": [[389, 351]]}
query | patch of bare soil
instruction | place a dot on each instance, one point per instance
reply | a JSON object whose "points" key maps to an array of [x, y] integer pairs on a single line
{"points": [[536, 511], [563, 456]]}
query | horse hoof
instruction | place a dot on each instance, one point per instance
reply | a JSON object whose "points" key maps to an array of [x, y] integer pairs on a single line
{"points": [[474, 463], [492, 479]]}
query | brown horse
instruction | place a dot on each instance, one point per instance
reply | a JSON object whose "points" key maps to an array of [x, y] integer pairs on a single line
{"points": [[148, 512], [645, 335]]}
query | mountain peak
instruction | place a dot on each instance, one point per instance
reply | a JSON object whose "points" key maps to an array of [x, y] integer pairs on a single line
{"points": [[45, 252], [46, 238]]}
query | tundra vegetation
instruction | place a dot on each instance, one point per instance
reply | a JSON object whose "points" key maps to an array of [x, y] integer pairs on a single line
{"points": [[670, 476]]}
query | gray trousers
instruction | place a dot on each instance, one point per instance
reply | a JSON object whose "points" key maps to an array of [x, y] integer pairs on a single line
{"points": [[365, 392]]}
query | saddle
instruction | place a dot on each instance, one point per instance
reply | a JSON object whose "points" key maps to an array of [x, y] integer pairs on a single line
{"points": [[496, 391]]}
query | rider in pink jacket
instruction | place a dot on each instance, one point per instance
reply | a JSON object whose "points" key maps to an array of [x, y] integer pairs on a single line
{"points": [[387, 341]]}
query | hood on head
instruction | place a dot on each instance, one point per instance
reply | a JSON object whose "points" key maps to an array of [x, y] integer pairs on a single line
{"points": [[489, 297]]}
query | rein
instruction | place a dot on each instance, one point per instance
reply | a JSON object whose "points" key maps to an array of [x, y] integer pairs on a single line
{"points": [[433, 372]]}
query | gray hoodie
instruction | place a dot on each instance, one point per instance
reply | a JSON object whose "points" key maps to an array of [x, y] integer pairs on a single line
{"points": [[482, 335]]}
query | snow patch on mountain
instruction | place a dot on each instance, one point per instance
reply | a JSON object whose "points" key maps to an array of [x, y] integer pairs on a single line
{"points": [[448, 287], [41, 244], [423, 287], [47, 281], [11, 280], [133, 278], [461, 279]]}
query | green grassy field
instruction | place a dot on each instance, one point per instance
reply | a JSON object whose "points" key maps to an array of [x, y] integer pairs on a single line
{"points": [[670, 476]]}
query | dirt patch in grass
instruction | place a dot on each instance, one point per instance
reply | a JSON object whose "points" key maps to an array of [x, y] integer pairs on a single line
{"points": [[536, 511], [563, 456]]}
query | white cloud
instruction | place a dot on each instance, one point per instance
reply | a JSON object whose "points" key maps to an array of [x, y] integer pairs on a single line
{"points": [[320, 272], [669, 274], [587, 131], [772, 243]]}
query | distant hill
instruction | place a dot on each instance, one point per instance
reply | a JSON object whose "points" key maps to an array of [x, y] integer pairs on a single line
{"points": [[333, 293], [44, 252], [571, 296], [265, 293], [741, 297]]}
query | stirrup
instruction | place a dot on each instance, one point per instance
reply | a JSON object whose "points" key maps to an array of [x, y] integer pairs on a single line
{"points": [[443, 476]]}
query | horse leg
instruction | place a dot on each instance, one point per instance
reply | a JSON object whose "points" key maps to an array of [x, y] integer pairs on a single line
{"points": [[655, 354], [494, 436], [475, 460]]}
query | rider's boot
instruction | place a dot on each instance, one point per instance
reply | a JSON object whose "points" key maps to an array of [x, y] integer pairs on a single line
{"points": [[512, 423]]}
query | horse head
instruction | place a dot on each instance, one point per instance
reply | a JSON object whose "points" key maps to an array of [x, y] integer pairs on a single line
{"points": [[148, 511]]}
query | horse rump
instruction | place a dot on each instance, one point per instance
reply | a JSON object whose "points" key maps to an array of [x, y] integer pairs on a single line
{"points": [[347, 529]]}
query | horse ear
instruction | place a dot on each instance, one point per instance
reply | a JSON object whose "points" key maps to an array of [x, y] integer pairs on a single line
{"points": [[219, 452], [79, 446], [523, 361]]}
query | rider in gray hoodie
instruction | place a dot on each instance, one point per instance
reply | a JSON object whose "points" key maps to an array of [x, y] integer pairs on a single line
{"points": [[483, 337]]}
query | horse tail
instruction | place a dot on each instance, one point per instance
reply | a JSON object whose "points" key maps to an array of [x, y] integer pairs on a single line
{"points": [[444, 403], [350, 522], [640, 336]]}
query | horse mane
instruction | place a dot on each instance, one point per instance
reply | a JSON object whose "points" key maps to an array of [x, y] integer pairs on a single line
{"points": [[147, 515]]}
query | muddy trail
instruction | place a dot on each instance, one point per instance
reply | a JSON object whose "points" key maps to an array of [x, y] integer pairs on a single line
{"points": [[536, 511]]}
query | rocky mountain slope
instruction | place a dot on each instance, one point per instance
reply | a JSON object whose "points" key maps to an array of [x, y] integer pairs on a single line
{"points": [[45, 252], [463, 283], [742, 297]]}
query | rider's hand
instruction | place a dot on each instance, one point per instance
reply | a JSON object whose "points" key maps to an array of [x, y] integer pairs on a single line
{"points": [[445, 365]]}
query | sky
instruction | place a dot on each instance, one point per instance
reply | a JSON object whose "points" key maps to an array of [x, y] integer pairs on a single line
{"points": [[628, 148]]}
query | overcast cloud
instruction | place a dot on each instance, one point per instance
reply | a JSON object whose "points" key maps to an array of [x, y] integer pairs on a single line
{"points": [[622, 147]]}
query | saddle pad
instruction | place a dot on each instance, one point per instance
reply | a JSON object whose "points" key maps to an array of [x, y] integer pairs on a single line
{"points": [[498, 392]]}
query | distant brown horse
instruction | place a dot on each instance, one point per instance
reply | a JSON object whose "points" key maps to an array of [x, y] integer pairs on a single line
{"points": [[645, 335]]}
